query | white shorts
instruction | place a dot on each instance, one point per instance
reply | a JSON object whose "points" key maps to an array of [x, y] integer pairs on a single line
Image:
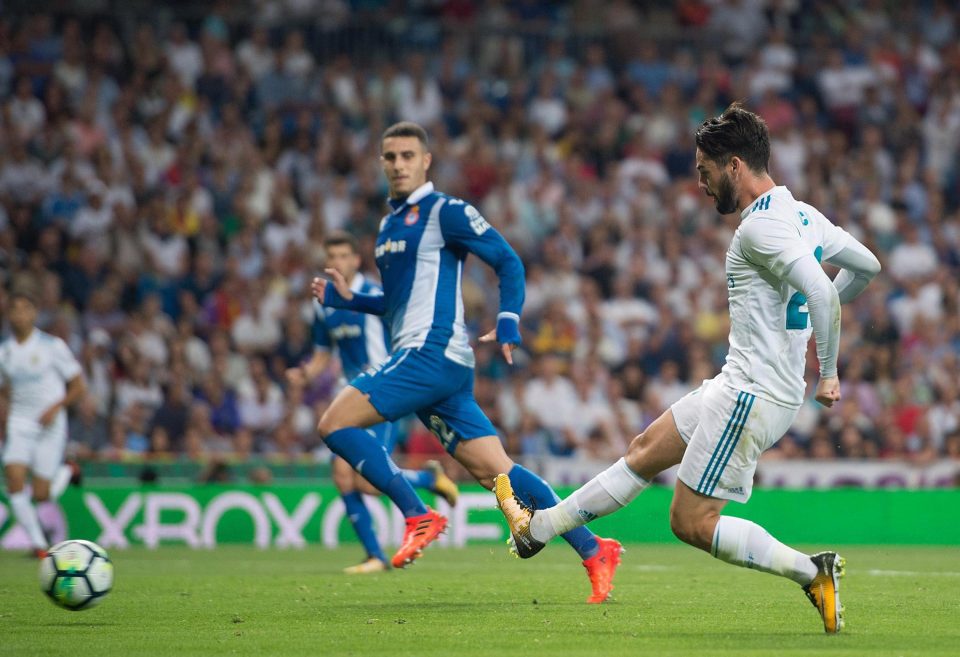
{"points": [[726, 430], [39, 448]]}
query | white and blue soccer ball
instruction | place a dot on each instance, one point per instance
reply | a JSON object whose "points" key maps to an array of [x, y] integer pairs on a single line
{"points": [[76, 574]]}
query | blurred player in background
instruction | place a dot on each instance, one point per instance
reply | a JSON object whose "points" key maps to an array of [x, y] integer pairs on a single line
{"points": [[360, 343], [420, 252], [41, 377], [778, 294]]}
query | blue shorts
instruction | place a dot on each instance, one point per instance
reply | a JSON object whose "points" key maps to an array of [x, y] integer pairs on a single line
{"points": [[425, 382]]}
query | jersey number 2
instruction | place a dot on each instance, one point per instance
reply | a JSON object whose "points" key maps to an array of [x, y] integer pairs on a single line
{"points": [[798, 318]]}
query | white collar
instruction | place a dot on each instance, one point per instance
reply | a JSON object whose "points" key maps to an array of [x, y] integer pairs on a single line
{"points": [[357, 282], [416, 195]]}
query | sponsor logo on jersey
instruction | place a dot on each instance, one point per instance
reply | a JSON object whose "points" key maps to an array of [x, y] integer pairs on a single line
{"points": [[477, 222], [736, 491], [413, 216], [345, 331], [390, 246], [730, 282]]}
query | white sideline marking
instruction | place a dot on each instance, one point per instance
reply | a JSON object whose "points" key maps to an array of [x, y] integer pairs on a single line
{"points": [[913, 573]]}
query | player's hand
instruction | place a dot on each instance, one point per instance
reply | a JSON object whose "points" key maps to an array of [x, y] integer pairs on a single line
{"points": [[828, 391], [296, 377], [507, 334], [48, 416], [506, 349], [319, 285]]}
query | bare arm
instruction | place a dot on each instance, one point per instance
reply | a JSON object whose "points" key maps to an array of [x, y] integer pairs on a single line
{"points": [[299, 376], [76, 388]]}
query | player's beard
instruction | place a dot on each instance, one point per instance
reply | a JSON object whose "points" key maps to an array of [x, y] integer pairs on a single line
{"points": [[724, 197]]}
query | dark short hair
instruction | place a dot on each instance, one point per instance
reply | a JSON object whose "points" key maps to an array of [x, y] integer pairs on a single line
{"points": [[406, 129], [736, 132], [25, 288], [341, 237], [23, 292]]}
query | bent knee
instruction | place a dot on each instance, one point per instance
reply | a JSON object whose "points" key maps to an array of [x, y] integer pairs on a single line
{"points": [[639, 451], [329, 422], [693, 529], [682, 527], [637, 445]]}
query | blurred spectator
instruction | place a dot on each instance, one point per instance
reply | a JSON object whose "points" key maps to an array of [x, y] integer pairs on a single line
{"points": [[169, 182], [171, 418]]}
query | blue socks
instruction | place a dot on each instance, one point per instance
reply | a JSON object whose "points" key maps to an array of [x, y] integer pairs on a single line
{"points": [[537, 494], [368, 457], [362, 523], [420, 478]]}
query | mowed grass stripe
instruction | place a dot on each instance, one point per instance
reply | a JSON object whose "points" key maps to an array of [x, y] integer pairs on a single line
{"points": [[669, 600]]}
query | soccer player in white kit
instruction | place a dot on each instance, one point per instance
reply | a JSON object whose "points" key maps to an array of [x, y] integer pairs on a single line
{"points": [[778, 295], [42, 377]]}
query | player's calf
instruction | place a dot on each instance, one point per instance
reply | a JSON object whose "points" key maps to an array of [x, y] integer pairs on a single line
{"points": [[693, 530]]}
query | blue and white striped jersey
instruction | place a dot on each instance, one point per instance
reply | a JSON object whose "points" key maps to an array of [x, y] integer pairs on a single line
{"points": [[361, 340], [420, 252]]}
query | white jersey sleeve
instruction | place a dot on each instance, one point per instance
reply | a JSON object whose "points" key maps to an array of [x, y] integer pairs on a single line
{"points": [[64, 362], [772, 244], [835, 239], [773, 277]]}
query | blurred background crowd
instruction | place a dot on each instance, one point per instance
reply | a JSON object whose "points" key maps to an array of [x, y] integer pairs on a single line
{"points": [[168, 174]]}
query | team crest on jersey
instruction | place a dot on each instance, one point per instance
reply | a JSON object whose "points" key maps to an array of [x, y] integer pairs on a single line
{"points": [[413, 216]]}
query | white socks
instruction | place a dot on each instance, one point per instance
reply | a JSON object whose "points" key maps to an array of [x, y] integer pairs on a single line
{"points": [[26, 515], [60, 481], [747, 544], [612, 489]]}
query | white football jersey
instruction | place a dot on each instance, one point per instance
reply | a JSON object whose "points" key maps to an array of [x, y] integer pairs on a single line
{"points": [[36, 372], [769, 324]]}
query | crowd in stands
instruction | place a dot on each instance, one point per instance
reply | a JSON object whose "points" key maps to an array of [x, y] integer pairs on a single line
{"points": [[168, 183]]}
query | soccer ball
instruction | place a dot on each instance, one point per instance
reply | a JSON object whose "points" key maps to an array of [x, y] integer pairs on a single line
{"points": [[76, 574]]}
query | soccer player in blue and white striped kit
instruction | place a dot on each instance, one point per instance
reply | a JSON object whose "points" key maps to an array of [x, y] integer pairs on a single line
{"points": [[420, 251], [360, 342]]}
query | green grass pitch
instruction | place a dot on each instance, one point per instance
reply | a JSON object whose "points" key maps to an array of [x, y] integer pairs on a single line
{"points": [[669, 600]]}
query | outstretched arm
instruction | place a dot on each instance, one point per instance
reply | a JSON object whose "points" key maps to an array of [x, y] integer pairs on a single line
{"points": [[336, 293]]}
